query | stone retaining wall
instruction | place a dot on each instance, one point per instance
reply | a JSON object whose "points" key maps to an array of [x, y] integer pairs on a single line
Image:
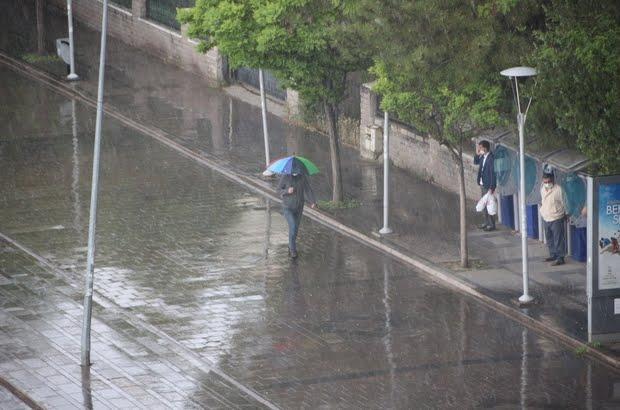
{"points": [[132, 27], [408, 150]]}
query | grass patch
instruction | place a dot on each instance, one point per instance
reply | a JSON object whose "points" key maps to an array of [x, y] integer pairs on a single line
{"points": [[596, 345], [346, 204], [580, 351], [33, 58]]}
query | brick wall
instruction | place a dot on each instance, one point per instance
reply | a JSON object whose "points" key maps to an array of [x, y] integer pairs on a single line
{"points": [[132, 27]]}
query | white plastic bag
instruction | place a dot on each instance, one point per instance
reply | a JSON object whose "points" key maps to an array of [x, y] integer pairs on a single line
{"points": [[491, 204], [482, 202]]}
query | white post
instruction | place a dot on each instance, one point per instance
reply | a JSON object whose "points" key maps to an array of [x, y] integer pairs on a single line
{"points": [[72, 75], [515, 206], [525, 298], [90, 262], [541, 228], [263, 104], [569, 237], [386, 174]]}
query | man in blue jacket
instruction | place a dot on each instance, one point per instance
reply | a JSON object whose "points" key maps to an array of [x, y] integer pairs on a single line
{"points": [[486, 179]]}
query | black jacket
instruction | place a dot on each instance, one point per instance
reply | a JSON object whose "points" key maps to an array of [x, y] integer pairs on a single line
{"points": [[487, 173], [301, 191]]}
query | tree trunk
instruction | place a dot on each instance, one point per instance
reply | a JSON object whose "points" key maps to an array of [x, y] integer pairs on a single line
{"points": [[40, 13], [331, 115], [463, 212]]}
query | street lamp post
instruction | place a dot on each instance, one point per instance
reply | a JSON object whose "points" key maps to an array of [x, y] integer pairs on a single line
{"points": [[90, 261], [386, 174], [72, 75], [514, 74], [263, 106]]}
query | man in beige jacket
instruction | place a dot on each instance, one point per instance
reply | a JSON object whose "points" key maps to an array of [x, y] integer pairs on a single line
{"points": [[553, 211]]}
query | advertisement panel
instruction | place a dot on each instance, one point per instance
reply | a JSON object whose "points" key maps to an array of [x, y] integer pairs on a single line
{"points": [[603, 208], [608, 236]]}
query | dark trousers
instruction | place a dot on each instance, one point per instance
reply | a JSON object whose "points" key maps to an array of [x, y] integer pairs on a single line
{"points": [[489, 220], [293, 217], [555, 232]]}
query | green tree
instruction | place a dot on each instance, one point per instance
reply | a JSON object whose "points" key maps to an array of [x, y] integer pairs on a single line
{"points": [[308, 44], [579, 78], [440, 69]]}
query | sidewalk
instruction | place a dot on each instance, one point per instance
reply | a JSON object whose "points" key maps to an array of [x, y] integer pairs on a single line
{"points": [[216, 125], [40, 327]]}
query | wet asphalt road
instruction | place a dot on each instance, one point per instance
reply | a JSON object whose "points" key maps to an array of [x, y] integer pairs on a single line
{"points": [[204, 262]]}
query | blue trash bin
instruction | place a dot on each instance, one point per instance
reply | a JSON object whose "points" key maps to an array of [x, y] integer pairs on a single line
{"points": [[579, 243], [532, 221], [508, 211]]}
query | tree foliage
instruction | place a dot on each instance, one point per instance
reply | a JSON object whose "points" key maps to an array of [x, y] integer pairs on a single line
{"points": [[440, 71], [579, 78], [308, 44], [437, 67]]}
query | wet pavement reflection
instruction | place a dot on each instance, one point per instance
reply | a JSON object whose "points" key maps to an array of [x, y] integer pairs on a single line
{"points": [[192, 274], [209, 121]]}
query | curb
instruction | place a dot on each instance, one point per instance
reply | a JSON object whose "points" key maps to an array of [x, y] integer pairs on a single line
{"points": [[21, 395], [434, 272]]}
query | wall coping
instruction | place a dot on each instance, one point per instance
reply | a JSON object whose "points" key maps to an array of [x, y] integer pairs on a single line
{"points": [[160, 27], [117, 8]]}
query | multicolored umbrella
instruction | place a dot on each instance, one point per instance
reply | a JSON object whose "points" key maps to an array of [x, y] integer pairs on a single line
{"points": [[287, 165]]}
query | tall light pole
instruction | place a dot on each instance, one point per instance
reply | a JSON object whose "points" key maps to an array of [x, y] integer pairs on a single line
{"points": [[90, 261], [386, 174], [72, 75], [263, 106], [514, 74]]}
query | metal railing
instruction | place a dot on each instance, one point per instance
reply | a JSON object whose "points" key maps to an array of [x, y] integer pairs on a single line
{"points": [[165, 11], [250, 76]]}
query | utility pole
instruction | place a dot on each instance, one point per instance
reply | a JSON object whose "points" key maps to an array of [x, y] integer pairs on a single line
{"points": [[386, 174], [263, 105], [90, 262]]}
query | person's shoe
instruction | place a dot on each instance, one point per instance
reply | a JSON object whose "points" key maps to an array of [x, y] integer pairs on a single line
{"points": [[558, 262], [482, 226], [293, 254], [550, 259], [489, 228]]}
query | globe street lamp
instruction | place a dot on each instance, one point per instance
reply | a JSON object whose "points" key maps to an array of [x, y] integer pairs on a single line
{"points": [[72, 75], [386, 174], [514, 74]]}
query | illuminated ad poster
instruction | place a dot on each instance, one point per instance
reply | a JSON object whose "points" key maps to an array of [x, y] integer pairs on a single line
{"points": [[609, 236]]}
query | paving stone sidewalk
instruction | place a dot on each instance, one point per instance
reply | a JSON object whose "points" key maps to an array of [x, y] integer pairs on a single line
{"points": [[322, 338], [40, 339], [217, 125]]}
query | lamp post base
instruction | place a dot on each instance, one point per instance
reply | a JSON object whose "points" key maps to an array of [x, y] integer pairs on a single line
{"points": [[73, 77], [385, 231], [525, 299]]}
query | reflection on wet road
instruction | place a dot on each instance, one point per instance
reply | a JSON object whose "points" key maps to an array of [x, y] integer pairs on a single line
{"points": [[186, 256]]}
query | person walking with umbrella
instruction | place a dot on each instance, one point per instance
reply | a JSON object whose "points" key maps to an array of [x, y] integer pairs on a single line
{"points": [[294, 189]]}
